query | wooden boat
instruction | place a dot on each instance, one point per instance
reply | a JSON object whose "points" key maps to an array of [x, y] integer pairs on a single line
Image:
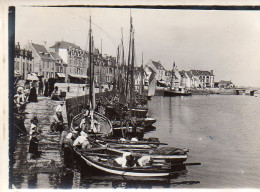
{"points": [[103, 161], [177, 92]]}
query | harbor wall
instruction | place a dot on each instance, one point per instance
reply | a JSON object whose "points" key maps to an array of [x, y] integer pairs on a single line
{"points": [[76, 105]]}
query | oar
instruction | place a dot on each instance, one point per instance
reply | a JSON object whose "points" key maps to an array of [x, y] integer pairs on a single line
{"points": [[186, 164], [134, 142]]}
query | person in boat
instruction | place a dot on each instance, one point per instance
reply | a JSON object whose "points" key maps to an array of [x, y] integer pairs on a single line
{"points": [[144, 160], [85, 121], [81, 141], [94, 124], [127, 160]]}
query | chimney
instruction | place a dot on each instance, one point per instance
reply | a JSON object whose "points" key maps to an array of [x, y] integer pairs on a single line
{"points": [[211, 71]]}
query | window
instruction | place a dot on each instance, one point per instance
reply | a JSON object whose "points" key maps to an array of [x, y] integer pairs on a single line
{"points": [[16, 66]]}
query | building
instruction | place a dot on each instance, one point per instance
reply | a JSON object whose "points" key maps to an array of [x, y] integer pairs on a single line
{"points": [[60, 67], [158, 68], [23, 62], [75, 58], [138, 72], [205, 79], [44, 64], [225, 84]]}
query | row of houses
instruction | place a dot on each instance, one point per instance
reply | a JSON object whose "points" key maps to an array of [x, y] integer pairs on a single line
{"points": [[63, 61], [67, 62], [177, 78]]}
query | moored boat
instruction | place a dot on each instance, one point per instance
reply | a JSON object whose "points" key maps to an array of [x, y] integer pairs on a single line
{"points": [[177, 92], [105, 162]]}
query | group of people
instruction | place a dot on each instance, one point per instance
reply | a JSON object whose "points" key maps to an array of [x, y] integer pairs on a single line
{"points": [[129, 160]]}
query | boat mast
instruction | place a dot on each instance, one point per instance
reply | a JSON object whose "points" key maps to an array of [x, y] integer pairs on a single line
{"points": [[129, 57], [100, 66], [116, 69], [132, 89], [91, 68], [142, 76], [172, 74]]}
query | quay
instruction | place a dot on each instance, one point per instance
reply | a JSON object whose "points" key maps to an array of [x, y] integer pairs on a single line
{"points": [[51, 159]]}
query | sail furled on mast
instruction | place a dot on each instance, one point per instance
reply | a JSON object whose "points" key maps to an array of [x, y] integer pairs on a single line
{"points": [[141, 90], [132, 82], [91, 69]]}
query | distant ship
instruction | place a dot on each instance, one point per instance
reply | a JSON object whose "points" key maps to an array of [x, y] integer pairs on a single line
{"points": [[180, 91]]}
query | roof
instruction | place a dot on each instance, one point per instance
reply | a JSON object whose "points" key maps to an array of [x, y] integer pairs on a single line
{"points": [[151, 70], [42, 51], [56, 56], [158, 65], [201, 73], [225, 82], [189, 74], [64, 45], [182, 73]]}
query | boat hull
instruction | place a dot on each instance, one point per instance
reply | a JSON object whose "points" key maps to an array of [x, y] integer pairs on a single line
{"points": [[172, 93], [123, 171]]}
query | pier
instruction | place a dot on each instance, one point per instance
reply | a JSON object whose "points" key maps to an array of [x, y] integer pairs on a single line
{"points": [[51, 160]]}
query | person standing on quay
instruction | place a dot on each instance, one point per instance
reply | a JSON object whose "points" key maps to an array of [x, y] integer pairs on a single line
{"points": [[33, 95], [40, 88], [46, 90]]}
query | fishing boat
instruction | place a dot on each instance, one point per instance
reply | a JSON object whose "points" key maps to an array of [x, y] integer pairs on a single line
{"points": [[179, 91], [103, 150], [175, 90], [104, 160]]}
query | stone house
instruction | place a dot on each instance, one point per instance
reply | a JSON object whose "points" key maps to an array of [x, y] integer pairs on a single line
{"points": [[23, 62], [44, 64]]}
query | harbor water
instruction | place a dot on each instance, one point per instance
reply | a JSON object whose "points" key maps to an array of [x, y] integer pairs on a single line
{"points": [[220, 131]]}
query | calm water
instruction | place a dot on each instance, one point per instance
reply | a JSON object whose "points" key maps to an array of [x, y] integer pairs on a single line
{"points": [[222, 132]]}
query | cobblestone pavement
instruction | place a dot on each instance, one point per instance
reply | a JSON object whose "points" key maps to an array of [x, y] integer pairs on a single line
{"points": [[24, 167]]}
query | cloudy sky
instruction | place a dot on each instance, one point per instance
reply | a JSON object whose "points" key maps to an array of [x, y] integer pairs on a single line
{"points": [[227, 42]]}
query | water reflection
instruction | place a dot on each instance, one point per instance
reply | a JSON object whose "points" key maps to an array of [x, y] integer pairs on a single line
{"points": [[32, 180]]}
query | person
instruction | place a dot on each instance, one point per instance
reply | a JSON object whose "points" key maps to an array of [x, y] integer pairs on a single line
{"points": [[19, 99], [33, 146], [59, 107], [127, 160], [144, 160], [57, 122], [85, 123], [94, 124], [67, 148], [55, 95], [33, 128], [46, 90], [40, 88], [82, 141], [32, 95]]}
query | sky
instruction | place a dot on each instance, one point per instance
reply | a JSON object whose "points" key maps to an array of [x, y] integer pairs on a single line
{"points": [[227, 42]]}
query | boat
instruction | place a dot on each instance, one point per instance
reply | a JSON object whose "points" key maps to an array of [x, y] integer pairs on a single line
{"points": [[103, 160], [104, 149], [175, 90], [179, 91]]}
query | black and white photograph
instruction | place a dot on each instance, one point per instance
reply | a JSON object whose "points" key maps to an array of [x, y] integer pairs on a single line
{"points": [[134, 97]]}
